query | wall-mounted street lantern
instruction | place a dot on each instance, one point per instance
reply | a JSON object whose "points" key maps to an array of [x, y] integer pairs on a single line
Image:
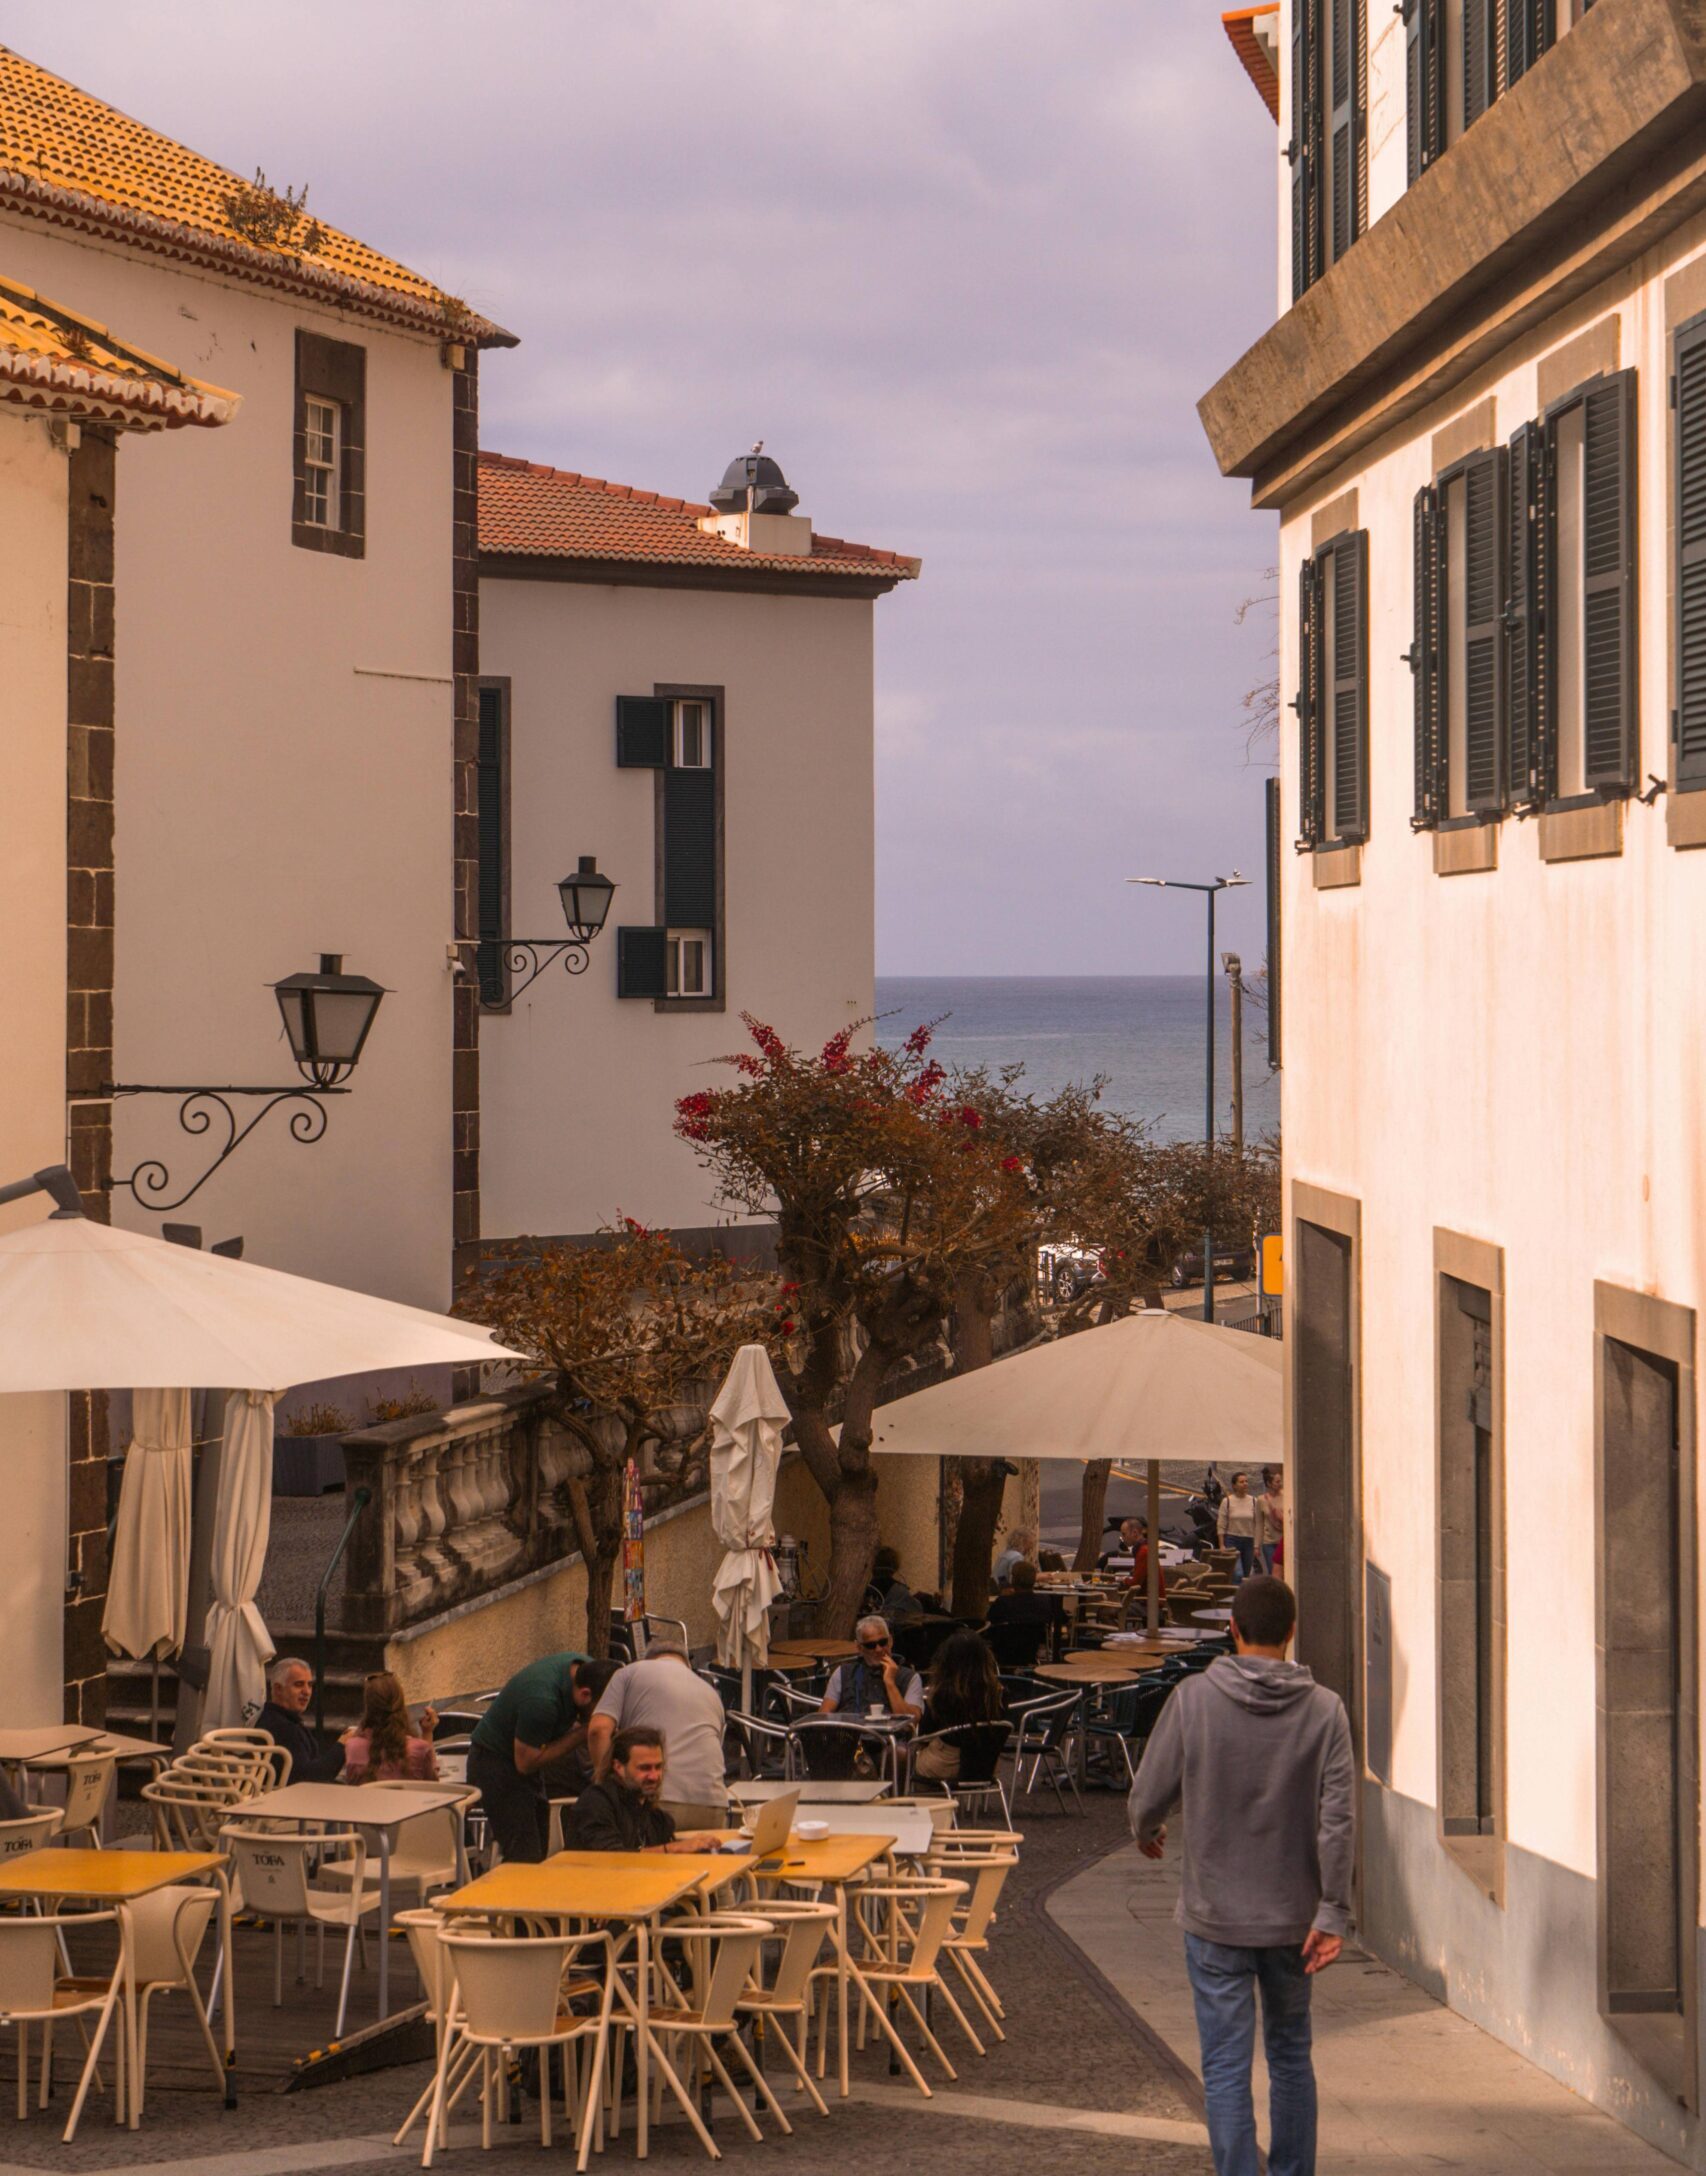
{"points": [[327, 1015], [586, 897]]}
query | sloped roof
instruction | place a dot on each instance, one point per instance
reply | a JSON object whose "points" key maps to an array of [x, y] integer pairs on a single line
{"points": [[528, 511], [1254, 33], [53, 360], [69, 158]]}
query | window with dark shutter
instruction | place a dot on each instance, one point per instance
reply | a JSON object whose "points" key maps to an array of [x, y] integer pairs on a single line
{"points": [[1346, 132], [1424, 82], [1425, 659], [1527, 770], [1608, 579], [1689, 482], [328, 507], [491, 802], [643, 724], [1307, 147], [641, 962], [1311, 763], [1529, 30], [1480, 58], [1482, 667], [690, 848], [1347, 688]]}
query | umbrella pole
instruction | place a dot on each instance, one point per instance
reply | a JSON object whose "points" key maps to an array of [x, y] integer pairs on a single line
{"points": [[1154, 1580], [746, 1688]]}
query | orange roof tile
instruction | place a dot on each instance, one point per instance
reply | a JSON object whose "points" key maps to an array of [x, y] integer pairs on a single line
{"points": [[64, 365], [1257, 54], [69, 158], [528, 511]]}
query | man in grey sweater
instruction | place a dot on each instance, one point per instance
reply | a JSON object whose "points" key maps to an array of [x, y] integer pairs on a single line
{"points": [[1260, 1757]]}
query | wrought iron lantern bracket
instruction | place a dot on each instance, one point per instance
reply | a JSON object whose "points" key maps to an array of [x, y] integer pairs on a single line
{"points": [[203, 1111]]}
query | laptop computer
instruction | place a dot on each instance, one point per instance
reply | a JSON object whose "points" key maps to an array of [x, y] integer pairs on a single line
{"points": [[772, 1825]]}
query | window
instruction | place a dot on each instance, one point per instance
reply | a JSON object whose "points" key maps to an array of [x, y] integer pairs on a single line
{"points": [[1329, 134], [688, 967], [1325, 1544], [491, 801], [1459, 56], [678, 959], [1688, 484], [1588, 730], [329, 492], [1457, 649], [1470, 1564], [1332, 699]]}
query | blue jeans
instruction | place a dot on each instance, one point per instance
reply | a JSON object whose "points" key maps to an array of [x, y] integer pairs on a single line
{"points": [[1245, 1545], [1224, 1983]]}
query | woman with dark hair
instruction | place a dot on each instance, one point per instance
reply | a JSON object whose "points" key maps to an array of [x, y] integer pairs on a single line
{"points": [[382, 1748], [965, 1687]]}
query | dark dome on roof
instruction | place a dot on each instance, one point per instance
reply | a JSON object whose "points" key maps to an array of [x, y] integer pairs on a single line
{"points": [[763, 476]]}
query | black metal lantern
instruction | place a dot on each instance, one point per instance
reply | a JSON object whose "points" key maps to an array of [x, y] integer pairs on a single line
{"points": [[327, 1017], [586, 900]]}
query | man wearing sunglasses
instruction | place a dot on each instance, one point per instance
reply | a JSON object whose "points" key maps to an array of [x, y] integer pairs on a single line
{"points": [[875, 1679]]}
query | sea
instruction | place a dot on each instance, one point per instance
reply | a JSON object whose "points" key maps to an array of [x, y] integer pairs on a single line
{"points": [[1144, 1035]]}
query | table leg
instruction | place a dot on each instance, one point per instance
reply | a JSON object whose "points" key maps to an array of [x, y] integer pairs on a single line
{"points": [[384, 1924], [228, 1986], [129, 2112], [642, 2038], [843, 1963]]}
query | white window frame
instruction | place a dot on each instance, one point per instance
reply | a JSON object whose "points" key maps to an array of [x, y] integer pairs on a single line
{"points": [[679, 728], [322, 427], [676, 957]]}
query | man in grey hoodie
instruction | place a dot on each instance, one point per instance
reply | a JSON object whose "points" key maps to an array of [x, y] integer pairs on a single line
{"points": [[1260, 1757]]}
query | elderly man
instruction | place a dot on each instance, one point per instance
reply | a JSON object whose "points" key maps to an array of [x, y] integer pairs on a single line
{"points": [[290, 1689], [875, 1678], [1017, 1551], [625, 1811], [662, 1692]]}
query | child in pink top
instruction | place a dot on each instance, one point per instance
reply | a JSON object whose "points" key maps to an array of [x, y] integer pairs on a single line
{"points": [[381, 1748]]}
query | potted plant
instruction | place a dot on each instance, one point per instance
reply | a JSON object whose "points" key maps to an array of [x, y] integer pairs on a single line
{"points": [[308, 1457]]}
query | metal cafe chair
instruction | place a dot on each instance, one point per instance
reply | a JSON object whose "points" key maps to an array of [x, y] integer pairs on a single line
{"points": [[33, 1991], [277, 1873]]}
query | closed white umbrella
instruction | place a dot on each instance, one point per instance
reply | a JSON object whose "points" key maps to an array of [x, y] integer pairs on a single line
{"points": [[239, 1646], [747, 1420], [86, 1307], [149, 1569]]}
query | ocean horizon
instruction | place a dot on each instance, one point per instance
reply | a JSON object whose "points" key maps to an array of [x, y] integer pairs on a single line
{"points": [[1144, 1034]]}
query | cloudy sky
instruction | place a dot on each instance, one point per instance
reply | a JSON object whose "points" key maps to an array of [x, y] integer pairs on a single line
{"points": [[964, 267]]}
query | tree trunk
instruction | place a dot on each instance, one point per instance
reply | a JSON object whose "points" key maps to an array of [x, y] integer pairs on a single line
{"points": [[983, 1482], [852, 1551], [1093, 1516]]}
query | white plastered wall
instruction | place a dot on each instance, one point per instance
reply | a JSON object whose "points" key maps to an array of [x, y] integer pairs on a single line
{"points": [[283, 770], [33, 510], [1515, 1055], [578, 1087]]}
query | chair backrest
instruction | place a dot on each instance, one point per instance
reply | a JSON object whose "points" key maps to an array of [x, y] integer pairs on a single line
{"points": [[29, 1963], [1047, 1721], [509, 1989], [803, 1929], [426, 1931], [274, 1870], [829, 1748], [168, 1927], [980, 1746], [1015, 1646], [988, 1872], [28, 1832], [427, 1844], [921, 1925], [88, 1779], [722, 1950]]}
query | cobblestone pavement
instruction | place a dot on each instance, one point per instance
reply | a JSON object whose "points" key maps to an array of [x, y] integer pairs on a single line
{"points": [[1077, 2063]]}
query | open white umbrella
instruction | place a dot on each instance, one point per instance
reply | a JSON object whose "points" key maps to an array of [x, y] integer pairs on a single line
{"points": [[86, 1307], [149, 1569], [747, 1420], [238, 1643]]}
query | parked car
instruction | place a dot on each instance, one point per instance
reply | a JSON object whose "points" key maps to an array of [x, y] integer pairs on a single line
{"points": [[1229, 1261], [1067, 1269]]}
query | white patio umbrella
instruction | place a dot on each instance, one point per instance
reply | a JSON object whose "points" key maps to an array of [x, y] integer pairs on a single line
{"points": [[149, 1570], [238, 1643], [1154, 1385], [86, 1307], [747, 1420]]}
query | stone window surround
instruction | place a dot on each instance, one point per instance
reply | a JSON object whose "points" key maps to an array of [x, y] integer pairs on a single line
{"points": [[334, 370], [670, 691]]}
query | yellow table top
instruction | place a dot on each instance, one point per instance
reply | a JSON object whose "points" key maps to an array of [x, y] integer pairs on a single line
{"points": [[111, 1875], [589, 1884], [822, 1858]]}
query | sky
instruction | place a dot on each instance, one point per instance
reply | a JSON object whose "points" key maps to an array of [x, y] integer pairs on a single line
{"points": [[964, 268]]}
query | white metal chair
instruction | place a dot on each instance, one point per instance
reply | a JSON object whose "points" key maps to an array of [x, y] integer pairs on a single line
{"points": [[721, 1952], [277, 1873], [33, 1991], [967, 1944], [508, 1993], [786, 1995], [904, 1953], [432, 1963], [168, 1928], [88, 1784]]}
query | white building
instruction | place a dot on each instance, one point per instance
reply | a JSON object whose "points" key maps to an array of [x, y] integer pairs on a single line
{"points": [[1481, 419], [683, 693]]}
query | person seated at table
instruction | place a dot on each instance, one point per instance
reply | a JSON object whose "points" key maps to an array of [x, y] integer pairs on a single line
{"points": [[1018, 1549], [1139, 1574], [1120, 1557], [1051, 1560], [624, 1810], [290, 1688], [888, 1591], [382, 1748], [875, 1678], [570, 1773], [663, 1692], [965, 1687], [531, 1722], [1022, 1604]]}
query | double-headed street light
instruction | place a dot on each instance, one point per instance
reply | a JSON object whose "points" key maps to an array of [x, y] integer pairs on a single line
{"points": [[1210, 891]]}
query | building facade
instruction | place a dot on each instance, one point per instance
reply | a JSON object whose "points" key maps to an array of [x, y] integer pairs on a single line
{"points": [[1481, 420], [683, 693]]}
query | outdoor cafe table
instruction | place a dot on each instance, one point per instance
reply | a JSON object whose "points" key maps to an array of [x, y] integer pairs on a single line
{"points": [[845, 1791], [384, 1808], [118, 1878], [791, 1654], [1086, 1668], [42, 1740], [122, 1749], [906, 1830]]}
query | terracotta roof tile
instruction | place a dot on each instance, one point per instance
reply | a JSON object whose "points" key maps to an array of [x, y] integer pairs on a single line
{"points": [[530, 511], [1254, 48], [68, 157], [54, 360]]}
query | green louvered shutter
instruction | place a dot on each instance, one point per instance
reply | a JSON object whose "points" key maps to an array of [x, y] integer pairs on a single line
{"points": [[1424, 82], [642, 732], [1311, 768], [1689, 456], [1346, 122], [1424, 659], [1524, 738], [641, 962], [1529, 28], [489, 796], [690, 849], [1347, 697], [1305, 149], [1480, 58], [1484, 632], [1609, 725]]}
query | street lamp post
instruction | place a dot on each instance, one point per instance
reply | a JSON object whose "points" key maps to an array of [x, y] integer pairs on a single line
{"points": [[1211, 892]]}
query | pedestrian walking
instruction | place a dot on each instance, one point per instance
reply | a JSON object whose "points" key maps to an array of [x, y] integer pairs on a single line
{"points": [[1270, 1520], [1258, 1756], [1236, 1523]]}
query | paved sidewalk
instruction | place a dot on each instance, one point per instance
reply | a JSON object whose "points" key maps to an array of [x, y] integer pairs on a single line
{"points": [[1406, 2085]]}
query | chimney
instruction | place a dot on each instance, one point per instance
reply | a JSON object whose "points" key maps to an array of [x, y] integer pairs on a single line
{"points": [[754, 508]]}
